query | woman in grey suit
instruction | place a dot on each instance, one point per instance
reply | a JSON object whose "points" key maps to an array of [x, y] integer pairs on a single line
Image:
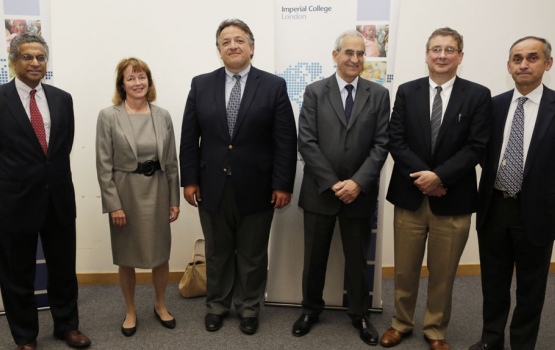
{"points": [[137, 171]]}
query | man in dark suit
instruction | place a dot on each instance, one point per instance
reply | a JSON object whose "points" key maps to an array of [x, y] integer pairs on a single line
{"points": [[438, 132], [516, 214], [241, 170], [36, 196], [343, 142]]}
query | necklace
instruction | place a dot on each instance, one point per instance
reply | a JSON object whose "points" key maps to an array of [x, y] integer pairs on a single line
{"points": [[138, 111]]}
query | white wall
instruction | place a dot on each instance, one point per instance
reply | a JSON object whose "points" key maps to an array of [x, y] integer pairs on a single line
{"points": [[177, 39]]}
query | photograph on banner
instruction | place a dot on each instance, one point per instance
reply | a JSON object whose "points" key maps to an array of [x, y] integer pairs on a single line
{"points": [[376, 37], [374, 71], [15, 26]]}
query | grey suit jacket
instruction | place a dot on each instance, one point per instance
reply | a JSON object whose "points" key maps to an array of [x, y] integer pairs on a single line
{"points": [[334, 151], [116, 149]]}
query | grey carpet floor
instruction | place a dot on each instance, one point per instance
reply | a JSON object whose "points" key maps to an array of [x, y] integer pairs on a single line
{"points": [[102, 311]]}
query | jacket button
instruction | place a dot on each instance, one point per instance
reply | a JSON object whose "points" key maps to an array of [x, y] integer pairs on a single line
{"points": [[225, 170], [230, 147]]}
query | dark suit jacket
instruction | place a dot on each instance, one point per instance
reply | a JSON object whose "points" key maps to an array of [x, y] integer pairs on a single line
{"points": [[334, 151], [460, 145], [537, 197], [262, 153], [28, 178]]}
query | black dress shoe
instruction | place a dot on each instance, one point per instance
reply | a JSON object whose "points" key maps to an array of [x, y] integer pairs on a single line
{"points": [[368, 333], [213, 322], [168, 324], [129, 331], [303, 325], [249, 325], [486, 346]]}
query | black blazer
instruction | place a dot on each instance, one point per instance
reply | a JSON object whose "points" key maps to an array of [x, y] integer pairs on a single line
{"points": [[29, 180], [261, 154], [537, 197], [460, 145]]}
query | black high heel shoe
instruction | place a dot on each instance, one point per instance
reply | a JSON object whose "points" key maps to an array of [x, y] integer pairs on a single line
{"points": [[168, 324], [129, 331]]}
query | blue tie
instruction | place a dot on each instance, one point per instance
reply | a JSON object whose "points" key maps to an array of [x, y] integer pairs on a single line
{"points": [[349, 102], [510, 173], [233, 104], [435, 120]]}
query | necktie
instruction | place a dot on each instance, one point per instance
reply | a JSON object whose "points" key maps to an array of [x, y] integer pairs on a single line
{"points": [[233, 104], [435, 120], [349, 102], [37, 122], [509, 176]]}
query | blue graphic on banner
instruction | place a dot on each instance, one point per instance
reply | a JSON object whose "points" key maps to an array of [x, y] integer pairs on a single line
{"points": [[373, 10], [298, 77]]}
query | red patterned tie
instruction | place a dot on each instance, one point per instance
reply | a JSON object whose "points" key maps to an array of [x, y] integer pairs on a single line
{"points": [[37, 122]]}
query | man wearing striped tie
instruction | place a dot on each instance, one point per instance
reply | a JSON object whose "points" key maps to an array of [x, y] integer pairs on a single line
{"points": [[516, 212], [437, 135]]}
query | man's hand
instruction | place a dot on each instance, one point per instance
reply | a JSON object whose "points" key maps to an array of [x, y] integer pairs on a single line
{"points": [[192, 194], [347, 191], [174, 213], [428, 183], [280, 198]]}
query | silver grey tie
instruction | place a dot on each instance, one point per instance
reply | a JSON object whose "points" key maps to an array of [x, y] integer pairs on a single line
{"points": [[435, 120], [509, 176], [233, 104]]}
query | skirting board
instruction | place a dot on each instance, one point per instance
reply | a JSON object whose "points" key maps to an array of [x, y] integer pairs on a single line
{"points": [[109, 278]]}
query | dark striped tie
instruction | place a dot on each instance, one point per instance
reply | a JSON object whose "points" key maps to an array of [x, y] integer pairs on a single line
{"points": [[349, 102], [435, 121]]}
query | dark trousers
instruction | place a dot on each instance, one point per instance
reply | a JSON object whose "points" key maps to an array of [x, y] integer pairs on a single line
{"points": [[355, 236], [17, 278], [503, 247], [236, 257]]}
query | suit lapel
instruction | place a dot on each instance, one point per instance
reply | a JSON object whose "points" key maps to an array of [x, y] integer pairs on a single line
{"points": [[499, 129], [18, 112], [422, 93], [123, 120], [219, 98], [334, 96], [253, 80], [453, 107], [361, 98], [546, 113], [159, 126]]}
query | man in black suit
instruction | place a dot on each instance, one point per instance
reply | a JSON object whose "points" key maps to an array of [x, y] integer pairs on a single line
{"points": [[241, 170], [437, 134], [36, 196], [343, 142], [516, 215]]}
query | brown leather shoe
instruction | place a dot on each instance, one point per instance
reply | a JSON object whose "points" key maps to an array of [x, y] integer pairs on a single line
{"points": [[393, 337], [438, 344], [75, 339], [30, 346]]}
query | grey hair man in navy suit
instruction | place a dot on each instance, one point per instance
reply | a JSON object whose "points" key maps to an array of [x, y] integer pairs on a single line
{"points": [[516, 214]]}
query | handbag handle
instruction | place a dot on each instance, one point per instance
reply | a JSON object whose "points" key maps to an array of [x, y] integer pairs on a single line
{"points": [[195, 254]]}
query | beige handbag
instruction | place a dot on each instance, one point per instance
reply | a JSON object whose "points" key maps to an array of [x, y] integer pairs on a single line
{"points": [[193, 282]]}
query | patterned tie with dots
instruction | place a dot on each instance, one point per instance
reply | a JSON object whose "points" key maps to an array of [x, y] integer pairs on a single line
{"points": [[233, 104], [37, 122], [509, 176]]}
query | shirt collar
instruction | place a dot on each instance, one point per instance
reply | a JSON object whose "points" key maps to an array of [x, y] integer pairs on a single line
{"points": [[448, 85], [25, 89], [243, 73], [342, 83], [534, 96]]}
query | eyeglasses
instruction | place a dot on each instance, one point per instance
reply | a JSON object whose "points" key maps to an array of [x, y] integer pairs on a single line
{"points": [[436, 50], [29, 58]]}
